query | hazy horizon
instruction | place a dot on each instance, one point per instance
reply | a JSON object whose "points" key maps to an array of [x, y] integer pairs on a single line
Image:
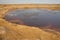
{"points": [[29, 1]]}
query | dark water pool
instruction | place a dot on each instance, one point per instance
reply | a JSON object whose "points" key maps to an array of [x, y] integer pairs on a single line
{"points": [[34, 17]]}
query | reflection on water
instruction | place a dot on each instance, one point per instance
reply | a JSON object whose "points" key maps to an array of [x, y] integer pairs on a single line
{"points": [[34, 17]]}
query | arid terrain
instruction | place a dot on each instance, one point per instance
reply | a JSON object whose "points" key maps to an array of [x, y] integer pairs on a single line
{"points": [[11, 31]]}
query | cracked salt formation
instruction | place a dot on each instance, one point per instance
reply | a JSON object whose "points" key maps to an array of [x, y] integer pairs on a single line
{"points": [[2, 32]]}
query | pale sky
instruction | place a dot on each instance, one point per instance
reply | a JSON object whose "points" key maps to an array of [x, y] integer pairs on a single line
{"points": [[29, 1]]}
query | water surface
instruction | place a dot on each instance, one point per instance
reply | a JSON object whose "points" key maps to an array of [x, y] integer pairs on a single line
{"points": [[34, 17]]}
